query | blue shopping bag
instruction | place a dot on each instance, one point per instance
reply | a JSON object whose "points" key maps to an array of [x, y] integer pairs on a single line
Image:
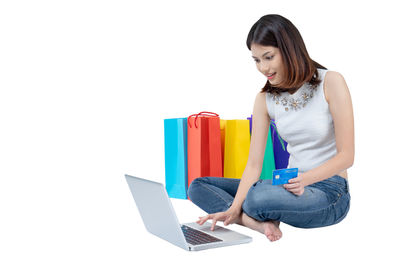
{"points": [[280, 152], [175, 144]]}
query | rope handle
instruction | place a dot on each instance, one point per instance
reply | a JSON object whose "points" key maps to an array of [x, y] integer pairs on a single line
{"points": [[205, 113]]}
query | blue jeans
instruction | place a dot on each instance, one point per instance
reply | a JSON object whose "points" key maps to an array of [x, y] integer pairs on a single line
{"points": [[323, 203]]}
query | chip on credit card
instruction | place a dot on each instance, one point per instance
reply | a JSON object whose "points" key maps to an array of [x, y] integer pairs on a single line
{"points": [[282, 176]]}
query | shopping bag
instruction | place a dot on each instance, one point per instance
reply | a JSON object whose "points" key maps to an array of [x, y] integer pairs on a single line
{"points": [[269, 159], [280, 152], [237, 146], [175, 144], [204, 146], [222, 124]]}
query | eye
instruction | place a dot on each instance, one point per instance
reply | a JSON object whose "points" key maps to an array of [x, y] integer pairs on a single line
{"points": [[269, 58], [256, 60]]}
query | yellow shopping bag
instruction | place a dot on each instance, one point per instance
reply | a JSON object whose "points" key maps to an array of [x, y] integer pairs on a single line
{"points": [[237, 147]]}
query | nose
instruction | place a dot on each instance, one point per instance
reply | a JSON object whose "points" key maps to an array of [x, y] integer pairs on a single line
{"points": [[264, 67]]}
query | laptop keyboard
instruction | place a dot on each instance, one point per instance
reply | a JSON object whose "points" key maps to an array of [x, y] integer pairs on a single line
{"points": [[196, 237]]}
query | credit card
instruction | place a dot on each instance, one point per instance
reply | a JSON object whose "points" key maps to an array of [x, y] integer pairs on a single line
{"points": [[282, 176]]}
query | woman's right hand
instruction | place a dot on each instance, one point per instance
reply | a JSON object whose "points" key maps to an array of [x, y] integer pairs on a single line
{"points": [[229, 216]]}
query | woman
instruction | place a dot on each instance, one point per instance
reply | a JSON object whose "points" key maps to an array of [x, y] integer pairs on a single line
{"points": [[313, 113]]}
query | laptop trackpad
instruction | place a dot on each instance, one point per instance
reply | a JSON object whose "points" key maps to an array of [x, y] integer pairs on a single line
{"points": [[219, 232]]}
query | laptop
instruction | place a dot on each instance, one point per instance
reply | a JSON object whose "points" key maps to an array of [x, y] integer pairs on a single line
{"points": [[160, 219]]}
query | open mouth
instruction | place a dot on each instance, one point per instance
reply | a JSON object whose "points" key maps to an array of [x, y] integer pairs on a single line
{"points": [[271, 76]]}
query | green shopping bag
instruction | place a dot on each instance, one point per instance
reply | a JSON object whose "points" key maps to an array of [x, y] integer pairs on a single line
{"points": [[269, 159]]}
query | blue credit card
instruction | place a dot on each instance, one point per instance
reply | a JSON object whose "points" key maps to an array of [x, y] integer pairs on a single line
{"points": [[282, 176]]}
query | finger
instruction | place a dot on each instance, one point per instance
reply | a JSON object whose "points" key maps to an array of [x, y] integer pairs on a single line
{"points": [[291, 186], [205, 218], [300, 191], [227, 221], [199, 220], [294, 180], [297, 192], [213, 224], [216, 218]]}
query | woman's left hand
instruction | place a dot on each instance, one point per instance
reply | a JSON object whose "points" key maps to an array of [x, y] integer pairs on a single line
{"points": [[296, 185]]}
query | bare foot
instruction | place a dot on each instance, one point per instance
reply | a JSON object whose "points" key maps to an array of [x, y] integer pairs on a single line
{"points": [[272, 231], [270, 228]]}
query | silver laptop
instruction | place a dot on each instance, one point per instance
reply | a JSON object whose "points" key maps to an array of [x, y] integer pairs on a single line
{"points": [[160, 219]]}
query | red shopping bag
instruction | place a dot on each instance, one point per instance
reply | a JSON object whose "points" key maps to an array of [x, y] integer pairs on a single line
{"points": [[204, 146]]}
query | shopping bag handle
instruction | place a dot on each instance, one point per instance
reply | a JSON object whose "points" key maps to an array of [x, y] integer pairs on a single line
{"points": [[205, 113]]}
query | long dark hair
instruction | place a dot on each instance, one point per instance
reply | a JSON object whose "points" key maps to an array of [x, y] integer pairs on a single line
{"points": [[277, 31]]}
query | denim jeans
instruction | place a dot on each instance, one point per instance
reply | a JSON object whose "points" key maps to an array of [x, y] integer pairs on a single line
{"points": [[323, 203]]}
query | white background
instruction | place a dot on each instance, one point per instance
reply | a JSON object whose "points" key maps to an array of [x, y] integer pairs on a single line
{"points": [[85, 86]]}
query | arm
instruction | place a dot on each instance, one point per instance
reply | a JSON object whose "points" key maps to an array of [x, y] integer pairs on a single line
{"points": [[340, 106], [252, 172]]}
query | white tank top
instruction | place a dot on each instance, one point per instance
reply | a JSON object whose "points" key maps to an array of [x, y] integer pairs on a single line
{"points": [[304, 121]]}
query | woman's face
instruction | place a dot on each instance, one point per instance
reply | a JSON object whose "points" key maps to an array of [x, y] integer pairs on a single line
{"points": [[269, 62]]}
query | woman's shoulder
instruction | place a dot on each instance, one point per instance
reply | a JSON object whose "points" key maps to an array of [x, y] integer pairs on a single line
{"points": [[260, 102], [332, 81], [261, 98], [332, 75]]}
